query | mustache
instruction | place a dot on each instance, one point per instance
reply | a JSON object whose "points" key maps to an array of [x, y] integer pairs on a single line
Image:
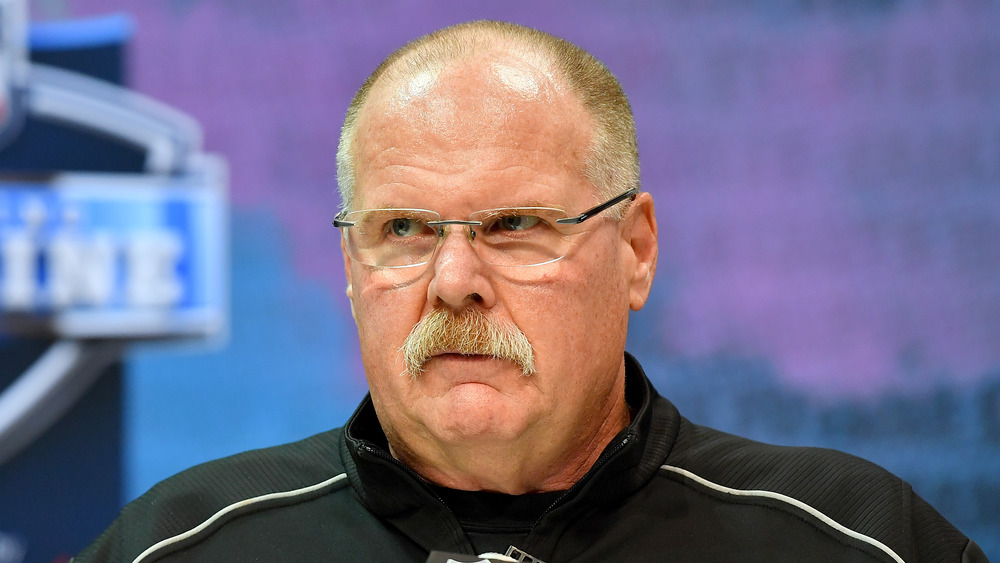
{"points": [[470, 333]]}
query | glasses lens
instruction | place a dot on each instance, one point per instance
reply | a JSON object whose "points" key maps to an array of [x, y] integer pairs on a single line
{"points": [[391, 238], [522, 236]]}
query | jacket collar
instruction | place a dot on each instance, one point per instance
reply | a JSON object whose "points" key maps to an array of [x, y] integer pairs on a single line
{"points": [[395, 492]]}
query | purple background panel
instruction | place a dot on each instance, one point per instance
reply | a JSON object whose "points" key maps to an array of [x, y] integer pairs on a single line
{"points": [[827, 179]]}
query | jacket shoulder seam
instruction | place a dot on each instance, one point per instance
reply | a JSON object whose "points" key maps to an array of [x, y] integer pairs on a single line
{"points": [[809, 509], [226, 510]]}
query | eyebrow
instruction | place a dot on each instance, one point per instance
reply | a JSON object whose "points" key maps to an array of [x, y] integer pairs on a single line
{"points": [[390, 206], [530, 203]]}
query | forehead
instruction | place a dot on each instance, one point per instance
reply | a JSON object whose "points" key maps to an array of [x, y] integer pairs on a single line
{"points": [[495, 78], [498, 115]]}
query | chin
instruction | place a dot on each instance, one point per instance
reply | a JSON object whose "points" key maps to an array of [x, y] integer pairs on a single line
{"points": [[476, 434], [474, 421]]}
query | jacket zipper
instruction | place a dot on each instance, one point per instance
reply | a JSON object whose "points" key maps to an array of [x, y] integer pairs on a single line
{"points": [[379, 453], [604, 459], [593, 470]]}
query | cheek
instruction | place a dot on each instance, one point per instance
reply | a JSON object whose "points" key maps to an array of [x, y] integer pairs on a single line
{"points": [[569, 312], [385, 316]]}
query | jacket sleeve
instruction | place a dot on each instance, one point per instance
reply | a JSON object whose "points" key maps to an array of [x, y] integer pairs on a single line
{"points": [[141, 524], [936, 539]]}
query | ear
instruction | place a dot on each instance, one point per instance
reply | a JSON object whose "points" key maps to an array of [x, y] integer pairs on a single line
{"points": [[347, 275], [640, 236]]}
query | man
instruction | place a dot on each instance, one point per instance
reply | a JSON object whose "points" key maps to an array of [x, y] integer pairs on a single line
{"points": [[495, 241]]}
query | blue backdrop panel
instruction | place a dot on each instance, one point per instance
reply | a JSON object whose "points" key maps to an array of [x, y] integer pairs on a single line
{"points": [[60, 492]]}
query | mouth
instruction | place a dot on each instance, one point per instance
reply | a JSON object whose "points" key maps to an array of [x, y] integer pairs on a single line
{"points": [[465, 360], [471, 361], [462, 369], [459, 356]]}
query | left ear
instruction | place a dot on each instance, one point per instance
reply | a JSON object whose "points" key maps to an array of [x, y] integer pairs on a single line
{"points": [[639, 233], [347, 273]]}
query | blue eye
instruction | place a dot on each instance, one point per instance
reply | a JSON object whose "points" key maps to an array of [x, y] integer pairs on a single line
{"points": [[517, 222], [405, 227]]}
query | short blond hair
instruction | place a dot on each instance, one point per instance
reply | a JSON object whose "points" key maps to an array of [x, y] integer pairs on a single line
{"points": [[612, 164]]}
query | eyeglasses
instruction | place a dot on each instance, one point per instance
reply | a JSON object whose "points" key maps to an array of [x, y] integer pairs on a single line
{"points": [[515, 236]]}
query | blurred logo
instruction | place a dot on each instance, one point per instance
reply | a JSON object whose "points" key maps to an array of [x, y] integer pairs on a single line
{"points": [[88, 255], [95, 259]]}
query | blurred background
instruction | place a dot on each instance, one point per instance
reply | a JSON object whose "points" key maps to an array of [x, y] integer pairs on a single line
{"points": [[827, 179]]}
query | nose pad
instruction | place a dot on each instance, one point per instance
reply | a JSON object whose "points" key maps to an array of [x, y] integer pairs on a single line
{"points": [[444, 229]]}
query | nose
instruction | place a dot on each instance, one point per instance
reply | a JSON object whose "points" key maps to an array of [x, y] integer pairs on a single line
{"points": [[459, 277]]}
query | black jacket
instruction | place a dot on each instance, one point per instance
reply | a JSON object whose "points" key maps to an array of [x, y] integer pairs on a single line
{"points": [[663, 490]]}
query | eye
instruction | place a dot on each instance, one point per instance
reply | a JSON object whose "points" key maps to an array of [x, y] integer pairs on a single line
{"points": [[405, 226], [517, 222]]}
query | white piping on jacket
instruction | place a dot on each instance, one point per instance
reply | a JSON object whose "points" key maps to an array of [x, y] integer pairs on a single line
{"points": [[787, 499], [236, 505], [715, 486]]}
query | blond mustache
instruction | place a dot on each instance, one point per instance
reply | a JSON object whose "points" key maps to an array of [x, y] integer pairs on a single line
{"points": [[470, 333]]}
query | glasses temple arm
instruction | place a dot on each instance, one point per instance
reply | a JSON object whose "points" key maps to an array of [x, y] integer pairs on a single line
{"points": [[630, 194]]}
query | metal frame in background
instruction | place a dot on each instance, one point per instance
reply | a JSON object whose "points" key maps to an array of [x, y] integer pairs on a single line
{"points": [[172, 142]]}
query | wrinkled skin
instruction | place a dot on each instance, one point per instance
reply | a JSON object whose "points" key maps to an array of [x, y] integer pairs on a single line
{"points": [[482, 133]]}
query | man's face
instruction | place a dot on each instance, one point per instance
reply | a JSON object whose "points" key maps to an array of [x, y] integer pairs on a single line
{"points": [[485, 134]]}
